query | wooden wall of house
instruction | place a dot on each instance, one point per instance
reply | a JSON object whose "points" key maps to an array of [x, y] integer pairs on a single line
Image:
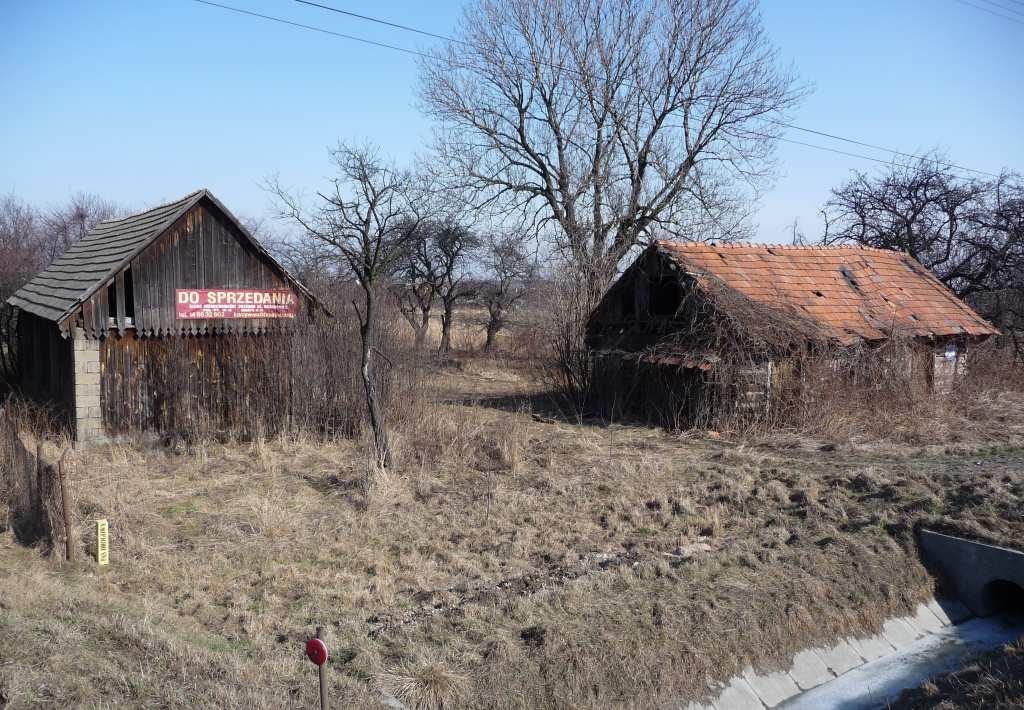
{"points": [[663, 395], [45, 364], [651, 299], [195, 384], [201, 250]]}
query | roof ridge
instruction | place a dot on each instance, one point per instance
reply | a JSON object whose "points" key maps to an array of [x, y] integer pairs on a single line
{"points": [[154, 208], [764, 246]]}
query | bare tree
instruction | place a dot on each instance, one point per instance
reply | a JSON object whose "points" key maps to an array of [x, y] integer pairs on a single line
{"points": [[967, 231], [66, 224], [606, 119], [510, 271], [454, 245], [367, 216], [31, 238], [418, 282], [436, 267], [21, 244]]}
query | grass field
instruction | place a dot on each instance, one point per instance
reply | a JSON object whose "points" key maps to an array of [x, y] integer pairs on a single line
{"points": [[507, 560]]}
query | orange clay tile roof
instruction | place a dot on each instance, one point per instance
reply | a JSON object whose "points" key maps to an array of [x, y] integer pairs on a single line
{"points": [[852, 292]]}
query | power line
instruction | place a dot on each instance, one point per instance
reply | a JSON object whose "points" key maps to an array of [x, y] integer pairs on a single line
{"points": [[379, 21], [425, 55], [1012, 10], [991, 12], [449, 38], [882, 148], [314, 29], [835, 150]]}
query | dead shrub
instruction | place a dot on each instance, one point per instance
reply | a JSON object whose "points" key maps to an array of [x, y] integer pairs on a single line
{"points": [[887, 392], [30, 502], [425, 685], [564, 363]]}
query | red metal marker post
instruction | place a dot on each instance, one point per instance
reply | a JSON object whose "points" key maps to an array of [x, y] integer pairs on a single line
{"points": [[316, 651]]}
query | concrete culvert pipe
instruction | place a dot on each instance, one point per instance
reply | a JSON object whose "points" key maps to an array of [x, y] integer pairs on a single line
{"points": [[1003, 596], [986, 578]]}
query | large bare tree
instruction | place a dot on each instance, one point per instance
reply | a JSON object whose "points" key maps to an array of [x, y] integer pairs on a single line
{"points": [[367, 216], [602, 120]]}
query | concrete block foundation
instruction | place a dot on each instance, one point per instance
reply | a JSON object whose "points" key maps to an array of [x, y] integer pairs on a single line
{"points": [[86, 390]]}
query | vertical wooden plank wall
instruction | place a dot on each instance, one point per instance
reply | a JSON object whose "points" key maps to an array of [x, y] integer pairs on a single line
{"points": [[195, 384], [184, 375], [201, 250]]}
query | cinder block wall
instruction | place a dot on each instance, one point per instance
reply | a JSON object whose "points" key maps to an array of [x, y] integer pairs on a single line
{"points": [[86, 377]]}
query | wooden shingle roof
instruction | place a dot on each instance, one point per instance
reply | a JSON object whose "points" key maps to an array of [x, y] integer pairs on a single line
{"points": [[89, 264], [851, 293]]}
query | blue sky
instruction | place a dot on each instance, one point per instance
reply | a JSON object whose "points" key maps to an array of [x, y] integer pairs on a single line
{"points": [[145, 101]]}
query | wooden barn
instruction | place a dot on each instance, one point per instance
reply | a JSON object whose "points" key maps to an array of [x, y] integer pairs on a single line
{"points": [[688, 320], [171, 314]]}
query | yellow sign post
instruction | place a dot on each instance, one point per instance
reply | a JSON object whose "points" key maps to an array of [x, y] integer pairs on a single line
{"points": [[102, 542]]}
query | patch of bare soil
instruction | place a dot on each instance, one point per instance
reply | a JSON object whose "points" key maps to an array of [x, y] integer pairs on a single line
{"points": [[993, 680]]}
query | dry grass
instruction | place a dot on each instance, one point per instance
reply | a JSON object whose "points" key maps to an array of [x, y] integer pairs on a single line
{"points": [[505, 561]]}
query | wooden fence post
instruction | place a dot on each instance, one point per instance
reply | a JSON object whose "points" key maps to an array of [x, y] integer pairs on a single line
{"points": [[324, 704], [69, 543]]}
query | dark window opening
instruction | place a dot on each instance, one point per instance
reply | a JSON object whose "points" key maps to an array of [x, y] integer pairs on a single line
{"points": [[666, 296], [112, 300], [129, 296], [628, 304]]}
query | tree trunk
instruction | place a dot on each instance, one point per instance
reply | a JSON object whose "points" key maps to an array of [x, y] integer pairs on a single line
{"points": [[493, 326], [367, 333], [446, 328], [422, 328]]}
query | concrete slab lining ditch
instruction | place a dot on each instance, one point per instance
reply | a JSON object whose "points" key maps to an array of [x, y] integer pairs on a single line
{"points": [[862, 673]]}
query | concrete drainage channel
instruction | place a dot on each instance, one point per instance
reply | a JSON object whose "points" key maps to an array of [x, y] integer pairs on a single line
{"points": [[869, 672]]}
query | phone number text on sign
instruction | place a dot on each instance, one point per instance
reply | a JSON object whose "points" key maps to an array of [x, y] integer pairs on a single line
{"points": [[201, 303]]}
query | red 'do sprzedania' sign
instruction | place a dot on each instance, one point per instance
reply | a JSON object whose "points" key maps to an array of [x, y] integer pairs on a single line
{"points": [[204, 303]]}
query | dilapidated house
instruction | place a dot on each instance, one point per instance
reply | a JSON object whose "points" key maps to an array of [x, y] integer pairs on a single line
{"points": [[690, 325], [166, 316]]}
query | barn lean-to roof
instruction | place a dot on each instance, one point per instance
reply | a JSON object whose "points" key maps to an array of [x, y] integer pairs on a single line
{"points": [[92, 262], [851, 293]]}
